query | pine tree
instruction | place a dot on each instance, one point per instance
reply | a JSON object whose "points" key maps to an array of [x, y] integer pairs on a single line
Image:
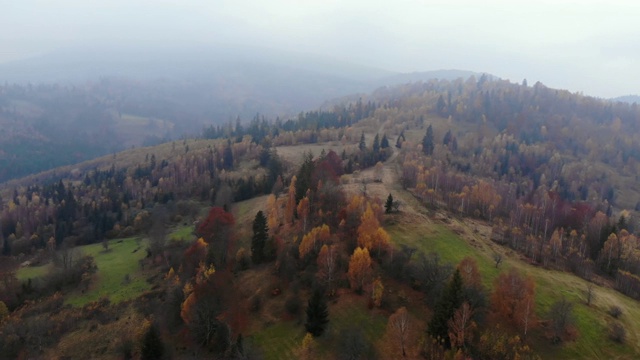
{"points": [[388, 205], [427, 141], [363, 144], [376, 143], [449, 301], [152, 346], [227, 156], [317, 314], [259, 239], [384, 143]]}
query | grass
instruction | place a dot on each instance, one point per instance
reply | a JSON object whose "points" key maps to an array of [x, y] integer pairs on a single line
{"points": [[121, 260], [280, 340], [182, 233], [32, 272]]}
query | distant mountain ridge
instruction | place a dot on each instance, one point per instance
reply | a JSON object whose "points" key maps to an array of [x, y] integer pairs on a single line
{"points": [[628, 99]]}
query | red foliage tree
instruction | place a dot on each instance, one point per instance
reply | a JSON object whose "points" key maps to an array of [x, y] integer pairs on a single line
{"points": [[217, 231]]}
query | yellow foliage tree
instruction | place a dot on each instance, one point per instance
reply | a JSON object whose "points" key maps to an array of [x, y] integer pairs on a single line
{"points": [[314, 239], [359, 273]]}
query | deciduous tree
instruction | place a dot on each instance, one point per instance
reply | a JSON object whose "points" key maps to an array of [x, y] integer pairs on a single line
{"points": [[359, 269]]}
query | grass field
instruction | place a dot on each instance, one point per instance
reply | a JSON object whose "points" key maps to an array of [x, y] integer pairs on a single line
{"points": [[32, 272], [121, 260], [182, 233]]}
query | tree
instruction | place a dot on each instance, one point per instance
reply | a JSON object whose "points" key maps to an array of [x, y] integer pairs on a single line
{"points": [[359, 273], [4, 311], [445, 308], [561, 317], [312, 241], [388, 205], [384, 143], [513, 299], [376, 143], [590, 294], [327, 264], [461, 325], [362, 145], [401, 327], [227, 156], [427, 141], [216, 230], [259, 239], [317, 313], [377, 292], [152, 346]]}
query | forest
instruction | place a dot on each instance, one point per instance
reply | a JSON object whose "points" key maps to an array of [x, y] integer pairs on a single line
{"points": [[449, 219]]}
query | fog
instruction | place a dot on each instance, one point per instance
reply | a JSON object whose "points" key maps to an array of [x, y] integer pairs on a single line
{"points": [[587, 46]]}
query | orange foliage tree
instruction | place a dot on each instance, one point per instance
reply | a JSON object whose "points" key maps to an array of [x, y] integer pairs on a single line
{"points": [[513, 300], [312, 241], [359, 269], [370, 235], [327, 264]]}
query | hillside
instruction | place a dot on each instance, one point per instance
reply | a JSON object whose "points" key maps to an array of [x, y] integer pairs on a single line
{"points": [[71, 106], [400, 207]]}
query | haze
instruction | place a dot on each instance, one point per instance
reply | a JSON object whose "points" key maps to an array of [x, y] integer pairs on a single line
{"points": [[587, 46]]}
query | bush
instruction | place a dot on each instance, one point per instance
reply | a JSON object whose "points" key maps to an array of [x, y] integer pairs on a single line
{"points": [[615, 311], [617, 333], [255, 303]]}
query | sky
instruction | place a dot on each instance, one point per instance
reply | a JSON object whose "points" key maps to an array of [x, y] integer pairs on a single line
{"points": [[584, 46]]}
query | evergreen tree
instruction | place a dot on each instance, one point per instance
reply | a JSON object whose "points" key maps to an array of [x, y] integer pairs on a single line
{"points": [[227, 156], [152, 346], [376, 143], [440, 106], [259, 239], [304, 175], [388, 205], [449, 301], [363, 144], [317, 314], [400, 140], [384, 143], [427, 141]]}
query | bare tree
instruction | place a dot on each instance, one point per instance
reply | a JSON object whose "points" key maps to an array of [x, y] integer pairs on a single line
{"points": [[497, 258], [590, 294], [400, 327]]}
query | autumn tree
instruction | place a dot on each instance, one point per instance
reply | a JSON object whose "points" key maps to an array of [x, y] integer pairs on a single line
{"points": [[260, 236], [317, 313], [370, 234], [461, 326], [402, 329], [216, 230], [360, 272], [327, 264], [290, 209], [377, 292], [312, 241], [513, 299]]}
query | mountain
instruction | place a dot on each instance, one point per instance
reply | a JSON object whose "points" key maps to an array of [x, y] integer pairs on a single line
{"points": [[75, 104], [628, 99]]}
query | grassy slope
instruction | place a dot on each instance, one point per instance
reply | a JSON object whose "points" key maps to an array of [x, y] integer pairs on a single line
{"points": [[121, 259]]}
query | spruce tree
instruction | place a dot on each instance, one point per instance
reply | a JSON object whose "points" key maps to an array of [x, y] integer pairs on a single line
{"points": [[384, 143], [449, 301], [363, 144], [152, 346], [427, 141], [388, 205], [376, 143], [317, 314], [259, 239]]}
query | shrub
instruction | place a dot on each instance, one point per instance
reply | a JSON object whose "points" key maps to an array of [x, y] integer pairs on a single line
{"points": [[617, 333], [615, 311]]}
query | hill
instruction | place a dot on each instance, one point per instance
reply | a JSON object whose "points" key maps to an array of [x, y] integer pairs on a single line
{"points": [[628, 99], [77, 104], [519, 188]]}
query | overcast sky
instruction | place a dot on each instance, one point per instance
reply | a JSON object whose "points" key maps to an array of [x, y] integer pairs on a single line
{"points": [[588, 46]]}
